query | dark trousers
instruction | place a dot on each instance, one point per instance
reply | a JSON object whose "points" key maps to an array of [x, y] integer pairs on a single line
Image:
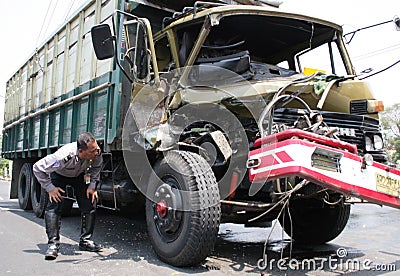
{"points": [[84, 203], [52, 215]]}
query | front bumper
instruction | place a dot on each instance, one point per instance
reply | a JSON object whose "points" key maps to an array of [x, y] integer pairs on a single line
{"points": [[330, 163]]}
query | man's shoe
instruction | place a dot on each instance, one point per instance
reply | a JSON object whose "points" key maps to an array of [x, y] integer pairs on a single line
{"points": [[89, 245], [51, 253]]}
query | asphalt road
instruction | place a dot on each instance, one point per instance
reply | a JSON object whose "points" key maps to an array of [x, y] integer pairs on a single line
{"points": [[368, 246]]}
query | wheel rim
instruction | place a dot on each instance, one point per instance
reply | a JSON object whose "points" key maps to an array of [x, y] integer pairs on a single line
{"points": [[167, 208]]}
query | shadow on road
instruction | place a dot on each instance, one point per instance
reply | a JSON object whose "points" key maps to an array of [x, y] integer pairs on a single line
{"points": [[124, 237]]}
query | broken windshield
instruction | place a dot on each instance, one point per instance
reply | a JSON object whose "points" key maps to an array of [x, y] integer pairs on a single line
{"points": [[259, 46]]}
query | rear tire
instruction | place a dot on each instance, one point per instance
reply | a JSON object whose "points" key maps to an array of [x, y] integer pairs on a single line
{"points": [[24, 186], [39, 198], [183, 210], [314, 222]]}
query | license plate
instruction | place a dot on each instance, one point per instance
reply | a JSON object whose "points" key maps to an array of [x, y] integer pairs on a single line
{"points": [[387, 185]]}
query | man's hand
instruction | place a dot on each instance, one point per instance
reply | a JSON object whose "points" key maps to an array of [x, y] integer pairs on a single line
{"points": [[55, 194], [93, 193]]}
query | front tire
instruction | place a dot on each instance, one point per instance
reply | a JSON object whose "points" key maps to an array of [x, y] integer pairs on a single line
{"points": [[24, 186], [314, 222], [183, 209]]}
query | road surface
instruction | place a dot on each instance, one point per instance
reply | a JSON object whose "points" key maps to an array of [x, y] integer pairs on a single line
{"points": [[369, 245]]}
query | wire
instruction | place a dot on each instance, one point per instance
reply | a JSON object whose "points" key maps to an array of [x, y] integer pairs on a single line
{"points": [[291, 231], [291, 227], [360, 29], [69, 10], [380, 71], [285, 205], [326, 200], [44, 20], [295, 189], [377, 52], [51, 17], [273, 227]]}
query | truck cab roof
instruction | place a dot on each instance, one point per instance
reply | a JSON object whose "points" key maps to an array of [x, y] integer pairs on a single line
{"points": [[220, 11]]}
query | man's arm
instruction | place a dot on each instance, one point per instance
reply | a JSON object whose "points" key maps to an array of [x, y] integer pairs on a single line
{"points": [[94, 178], [95, 173], [43, 168]]}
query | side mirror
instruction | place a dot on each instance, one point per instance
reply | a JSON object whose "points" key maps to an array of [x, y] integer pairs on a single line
{"points": [[142, 61], [102, 41], [396, 21]]}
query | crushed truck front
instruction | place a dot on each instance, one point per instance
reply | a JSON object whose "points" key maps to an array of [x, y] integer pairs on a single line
{"points": [[218, 78], [210, 84]]}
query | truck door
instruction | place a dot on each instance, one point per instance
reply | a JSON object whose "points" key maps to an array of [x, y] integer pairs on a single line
{"points": [[140, 50]]}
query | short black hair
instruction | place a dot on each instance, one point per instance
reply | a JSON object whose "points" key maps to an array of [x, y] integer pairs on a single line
{"points": [[84, 139]]}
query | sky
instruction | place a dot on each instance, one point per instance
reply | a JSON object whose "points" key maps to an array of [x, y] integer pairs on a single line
{"points": [[374, 48], [25, 26]]}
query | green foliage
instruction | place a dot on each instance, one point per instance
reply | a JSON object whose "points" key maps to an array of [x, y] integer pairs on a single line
{"points": [[396, 150], [391, 128], [4, 163], [391, 121]]}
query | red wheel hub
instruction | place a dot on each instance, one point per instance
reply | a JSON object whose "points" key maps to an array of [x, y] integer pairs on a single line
{"points": [[162, 208]]}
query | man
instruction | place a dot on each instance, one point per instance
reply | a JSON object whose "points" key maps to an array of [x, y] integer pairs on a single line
{"points": [[77, 164]]}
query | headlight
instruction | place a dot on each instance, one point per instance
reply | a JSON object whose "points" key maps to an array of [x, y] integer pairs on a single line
{"points": [[366, 106], [367, 160], [368, 144], [375, 106], [378, 142]]}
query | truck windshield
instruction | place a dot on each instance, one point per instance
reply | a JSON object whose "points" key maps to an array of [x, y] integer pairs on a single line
{"points": [[273, 46]]}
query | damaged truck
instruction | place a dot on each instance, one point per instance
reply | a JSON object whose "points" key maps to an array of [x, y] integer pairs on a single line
{"points": [[206, 112]]}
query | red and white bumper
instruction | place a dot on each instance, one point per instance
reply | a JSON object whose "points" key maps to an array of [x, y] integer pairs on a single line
{"points": [[324, 161]]}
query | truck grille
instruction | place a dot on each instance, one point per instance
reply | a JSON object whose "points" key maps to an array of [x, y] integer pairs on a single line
{"points": [[352, 127]]}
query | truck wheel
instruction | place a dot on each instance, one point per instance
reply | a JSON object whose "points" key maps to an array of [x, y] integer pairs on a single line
{"points": [[183, 209], [314, 222], [24, 187], [39, 198]]}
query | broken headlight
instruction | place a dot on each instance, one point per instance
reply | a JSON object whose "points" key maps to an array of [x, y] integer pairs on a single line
{"points": [[373, 142], [369, 146], [378, 142]]}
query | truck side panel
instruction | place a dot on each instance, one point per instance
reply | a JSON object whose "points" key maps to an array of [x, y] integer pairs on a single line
{"points": [[44, 108]]}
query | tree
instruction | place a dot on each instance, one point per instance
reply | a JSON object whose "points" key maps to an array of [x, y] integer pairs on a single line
{"points": [[396, 151], [390, 119], [4, 163]]}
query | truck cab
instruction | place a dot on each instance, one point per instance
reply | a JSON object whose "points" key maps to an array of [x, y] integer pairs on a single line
{"points": [[205, 113], [212, 82]]}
